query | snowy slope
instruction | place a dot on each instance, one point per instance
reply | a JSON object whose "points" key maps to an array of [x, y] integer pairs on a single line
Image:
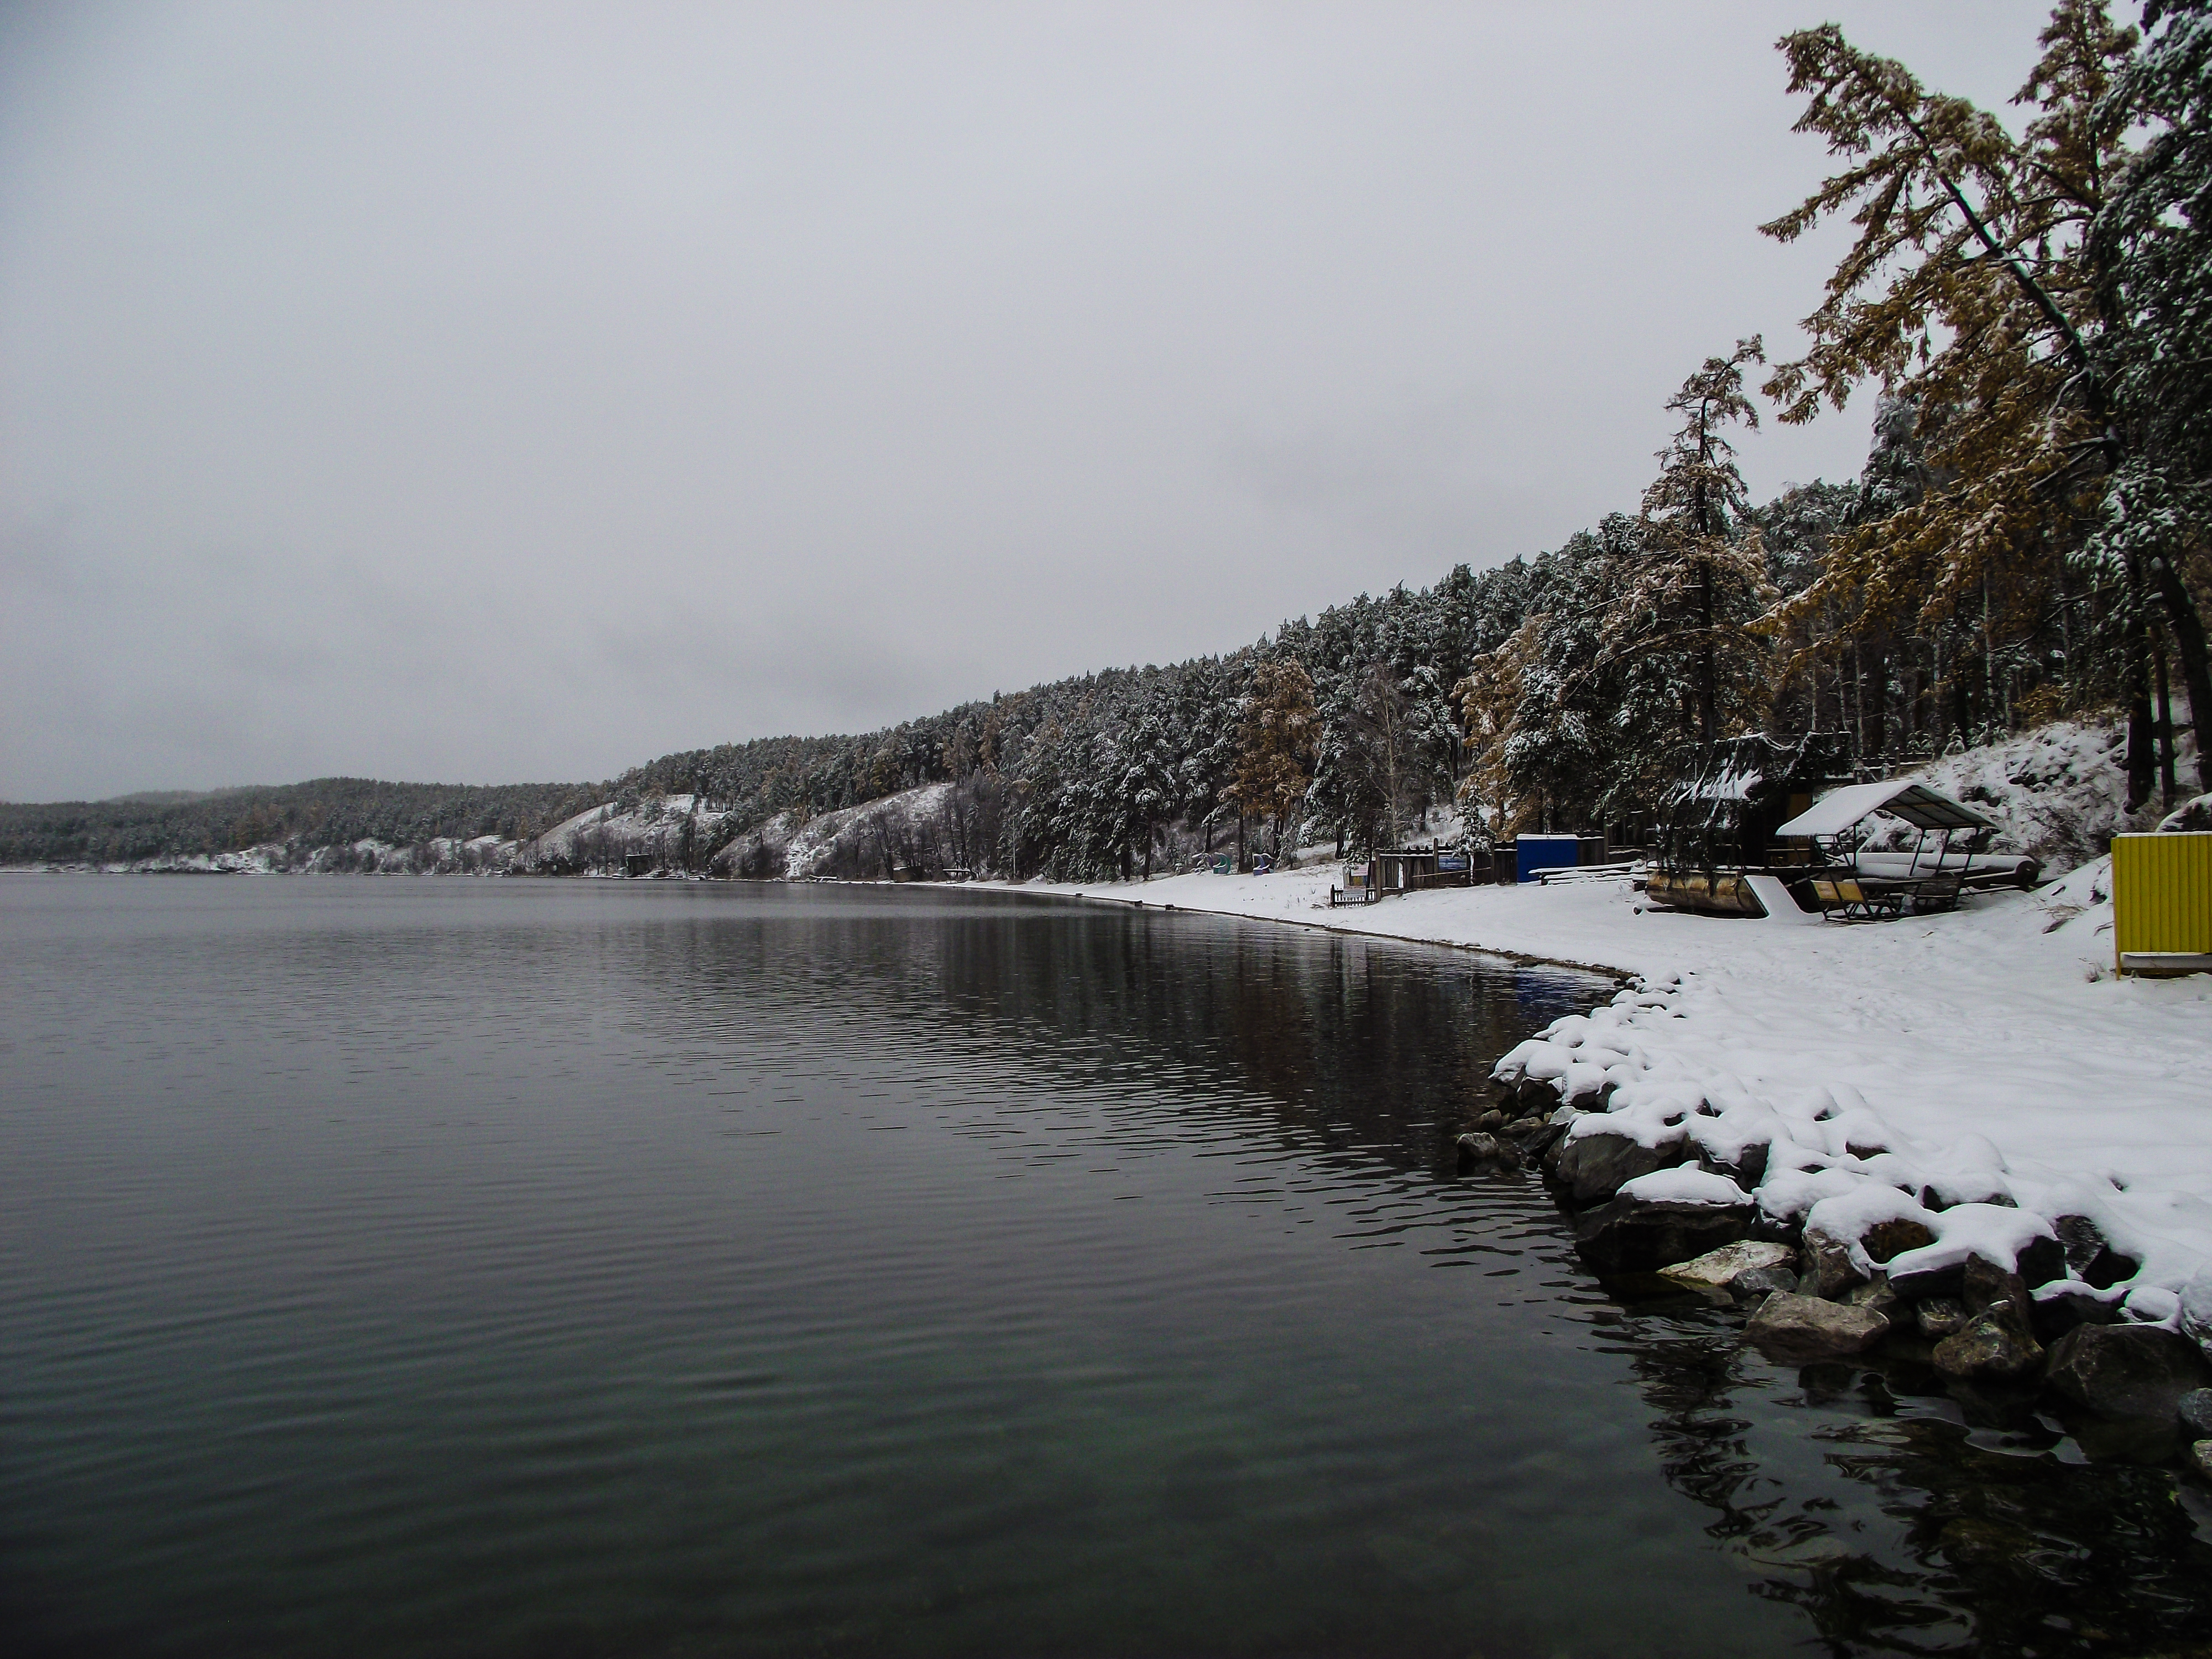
{"points": [[599, 837], [840, 840], [2058, 792], [862, 840]]}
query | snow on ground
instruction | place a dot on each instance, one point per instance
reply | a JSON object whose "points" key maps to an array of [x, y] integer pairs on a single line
{"points": [[2000, 1026]]}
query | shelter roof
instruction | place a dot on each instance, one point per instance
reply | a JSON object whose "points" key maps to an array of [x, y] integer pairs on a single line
{"points": [[1916, 802]]}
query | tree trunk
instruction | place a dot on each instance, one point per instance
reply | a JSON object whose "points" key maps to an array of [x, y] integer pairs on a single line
{"points": [[1874, 704], [1708, 671], [1853, 714], [2188, 645], [2165, 788], [2143, 756]]}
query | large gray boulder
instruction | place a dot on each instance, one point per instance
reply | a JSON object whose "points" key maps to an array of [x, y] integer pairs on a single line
{"points": [[2196, 1413], [1940, 1316], [1824, 1266], [1994, 1345], [1719, 1270], [2196, 1308], [1478, 1148], [2128, 1371], [1592, 1167], [1631, 1235], [1788, 1327], [2089, 1256]]}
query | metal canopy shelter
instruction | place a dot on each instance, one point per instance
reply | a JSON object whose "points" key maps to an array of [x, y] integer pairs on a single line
{"points": [[1916, 802]]}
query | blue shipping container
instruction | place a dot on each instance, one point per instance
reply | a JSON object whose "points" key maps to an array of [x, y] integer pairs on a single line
{"points": [[1534, 852]]}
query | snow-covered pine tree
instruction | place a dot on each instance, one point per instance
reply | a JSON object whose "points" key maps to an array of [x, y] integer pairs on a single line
{"points": [[2153, 234], [1276, 742], [1976, 288], [1683, 602]]}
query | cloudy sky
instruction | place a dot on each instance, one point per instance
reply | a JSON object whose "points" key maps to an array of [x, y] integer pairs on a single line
{"points": [[490, 393]]}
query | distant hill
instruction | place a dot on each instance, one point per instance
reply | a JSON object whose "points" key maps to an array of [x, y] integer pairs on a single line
{"points": [[159, 797], [324, 812]]}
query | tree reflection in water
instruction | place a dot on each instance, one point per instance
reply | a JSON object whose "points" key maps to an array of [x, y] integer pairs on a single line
{"points": [[1899, 1526]]}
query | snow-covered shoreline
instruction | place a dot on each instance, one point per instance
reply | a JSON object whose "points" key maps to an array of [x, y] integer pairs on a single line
{"points": [[1900, 1103], [2000, 1026], [1996, 1036]]}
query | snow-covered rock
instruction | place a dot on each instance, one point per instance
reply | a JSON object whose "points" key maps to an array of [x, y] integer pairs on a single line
{"points": [[2196, 1308], [2193, 814], [1685, 1186], [1642, 1235]]}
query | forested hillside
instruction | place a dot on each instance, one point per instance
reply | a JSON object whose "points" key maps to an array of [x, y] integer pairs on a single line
{"points": [[327, 812], [2030, 303]]}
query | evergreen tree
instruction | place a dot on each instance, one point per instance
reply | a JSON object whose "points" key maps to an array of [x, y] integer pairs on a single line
{"points": [[1275, 743], [2153, 234], [1990, 284], [1686, 599]]}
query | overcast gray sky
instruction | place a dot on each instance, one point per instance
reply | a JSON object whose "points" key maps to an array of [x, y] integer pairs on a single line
{"points": [[492, 393]]}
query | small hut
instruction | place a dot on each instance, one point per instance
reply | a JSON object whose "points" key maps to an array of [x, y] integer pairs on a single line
{"points": [[1719, 826]]}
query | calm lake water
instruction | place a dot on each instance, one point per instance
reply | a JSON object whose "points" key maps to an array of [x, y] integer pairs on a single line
{"points": [[514, 1268]]}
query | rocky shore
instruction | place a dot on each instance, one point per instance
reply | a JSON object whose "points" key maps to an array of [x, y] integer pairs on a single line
{"points": [[1838, 1238]]}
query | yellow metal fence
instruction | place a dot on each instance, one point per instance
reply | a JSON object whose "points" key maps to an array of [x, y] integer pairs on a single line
{"points": [[2161, 894]]}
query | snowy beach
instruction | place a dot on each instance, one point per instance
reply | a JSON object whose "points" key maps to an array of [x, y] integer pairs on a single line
{"points": [[1996, 1035]]}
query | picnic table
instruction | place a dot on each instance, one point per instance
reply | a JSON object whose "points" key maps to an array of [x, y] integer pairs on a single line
{"points": [[1856, 897]]}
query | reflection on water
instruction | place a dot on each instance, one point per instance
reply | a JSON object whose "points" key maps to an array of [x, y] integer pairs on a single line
{"points": [[397, 1267], [1861, 1494]]}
